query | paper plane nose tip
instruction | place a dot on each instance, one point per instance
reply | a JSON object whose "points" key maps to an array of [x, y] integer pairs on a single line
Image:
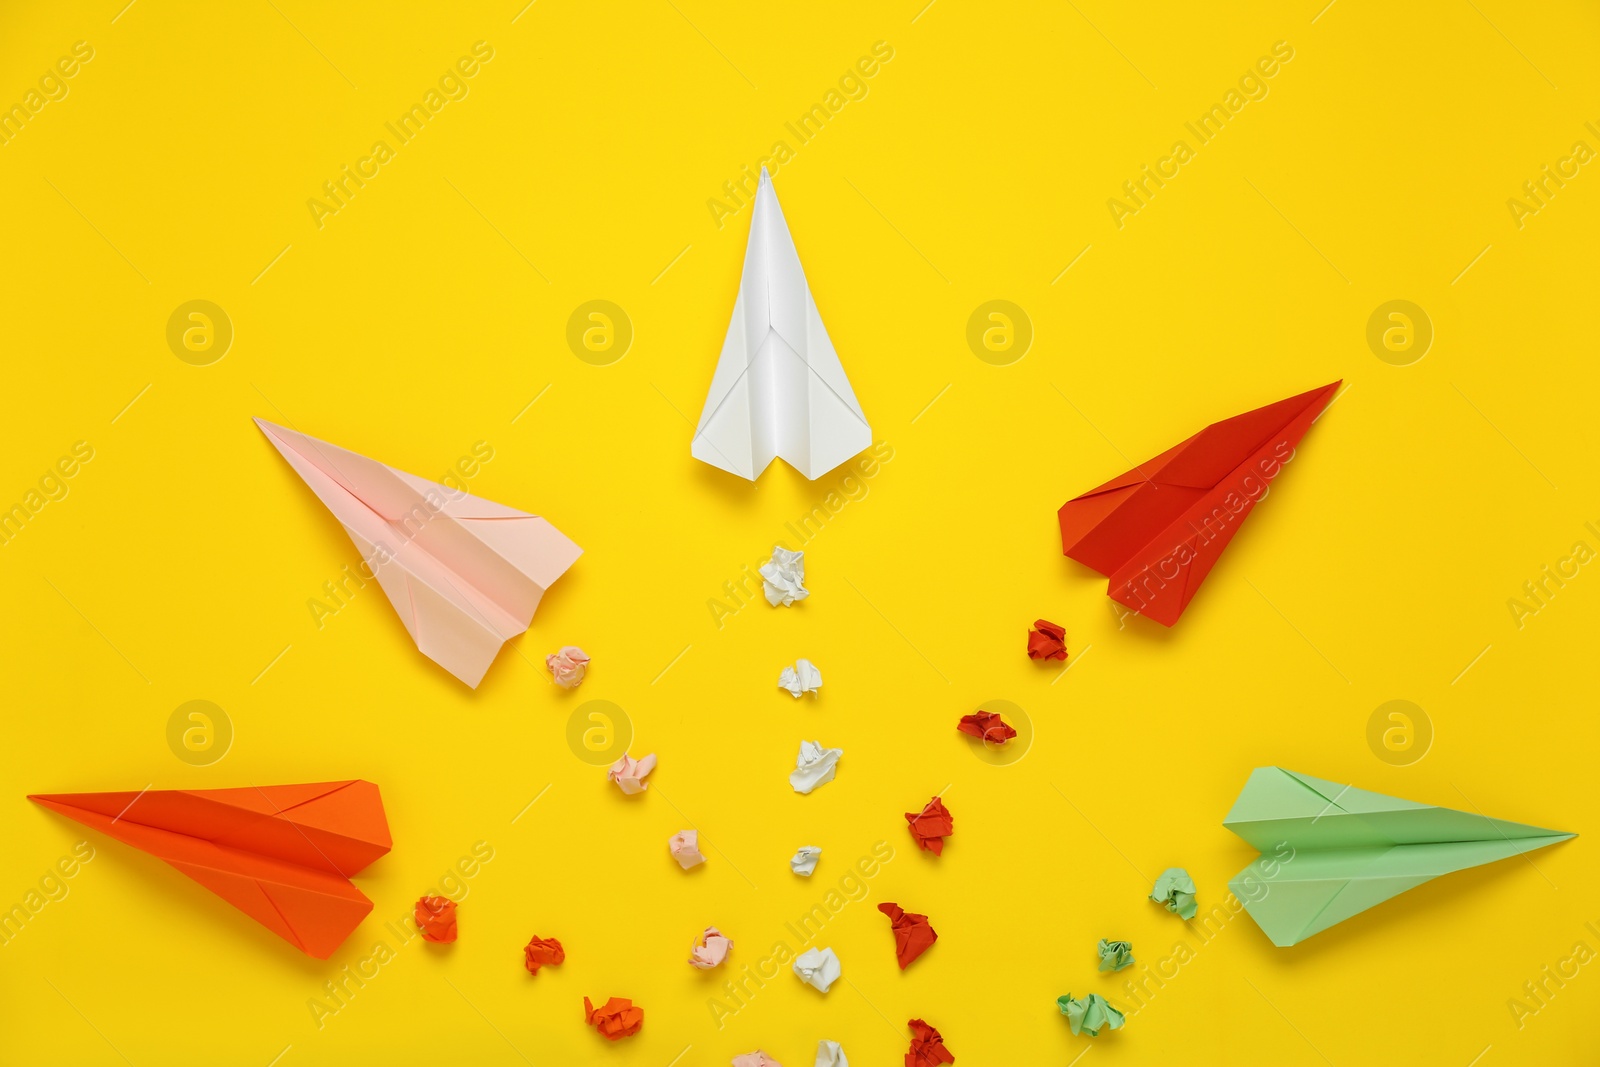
{"points": [[766, 179]]}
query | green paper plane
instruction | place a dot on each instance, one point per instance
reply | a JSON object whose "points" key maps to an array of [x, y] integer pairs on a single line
{"points": [[1336, 850]]}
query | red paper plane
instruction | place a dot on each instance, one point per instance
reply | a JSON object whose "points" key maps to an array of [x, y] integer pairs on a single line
{"points": [[1157, 530], [282, 854], [912, 934]]}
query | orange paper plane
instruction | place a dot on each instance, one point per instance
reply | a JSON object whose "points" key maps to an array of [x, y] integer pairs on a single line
{"points": [[282, 854], [464, 573], [1157, 530]]}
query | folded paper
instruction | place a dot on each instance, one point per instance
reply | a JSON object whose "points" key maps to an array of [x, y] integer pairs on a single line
{"points": [[710, 949], [569, 665], [1047, 640], [617, 1018], [803, 677], [282, 854], [1174, 890], [814, 766], [629, 773], [804, 860], [1331, 851], [818, 968], [912, 934], [779, 389], [1157, 530], [542, 952], [931, 826], [1114, 955], [1089, 1015], [927, 1046], [464, 573], [783, 577], [436, 919], [685, 848], [986, 726], [830, 1054]]}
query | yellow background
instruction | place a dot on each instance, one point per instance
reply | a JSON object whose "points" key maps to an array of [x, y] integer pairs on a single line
{"points": [[430, 311]]}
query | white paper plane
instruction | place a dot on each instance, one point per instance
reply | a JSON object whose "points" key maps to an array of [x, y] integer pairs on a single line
{"points": [[464, 573], [779, 389]]}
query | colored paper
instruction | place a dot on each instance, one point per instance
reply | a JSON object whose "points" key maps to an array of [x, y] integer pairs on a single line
{"points": [[464, 573], [755, 1059], [803, 677], [1331, 851], [1114, 955], [818, 968], [783, 577], [814, 766], [710, 949], [912, 934], [830, 1054], [1174, 890], [569, 666], [436, 919], [685, 848], [927, 1046], [1157, 530], [617, 1018], [779, 389], [629, 773], [1047, 640], [804, 860], [931, 826], [542, 952], [282, 854], [1089, 1015], [986, 726]]}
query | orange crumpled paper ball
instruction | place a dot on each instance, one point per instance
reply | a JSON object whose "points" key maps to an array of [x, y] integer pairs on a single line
{"points": [[436, 918], [542, 952], [617, 1018]]}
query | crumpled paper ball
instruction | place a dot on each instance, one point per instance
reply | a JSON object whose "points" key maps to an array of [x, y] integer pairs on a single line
{"points": [[617, 1018], [568, 665], [542, 952], [710, 949], [782, 577], [436, 918]]}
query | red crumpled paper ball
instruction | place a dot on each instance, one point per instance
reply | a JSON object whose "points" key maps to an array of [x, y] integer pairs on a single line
{"points": [[913, 935], [986, 726], [927, 1046], [436, 918], [542, 952], [1047, 640], [616, 1018], [931, 826]]}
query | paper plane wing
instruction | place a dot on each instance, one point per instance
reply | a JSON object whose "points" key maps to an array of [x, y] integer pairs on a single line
{"points": [[1157, 530], [779, 390], [281, 854], [465, 574], [1331, 851]]}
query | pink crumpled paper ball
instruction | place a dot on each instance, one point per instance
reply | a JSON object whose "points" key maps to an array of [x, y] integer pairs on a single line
{"points": [[568, 665]]}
